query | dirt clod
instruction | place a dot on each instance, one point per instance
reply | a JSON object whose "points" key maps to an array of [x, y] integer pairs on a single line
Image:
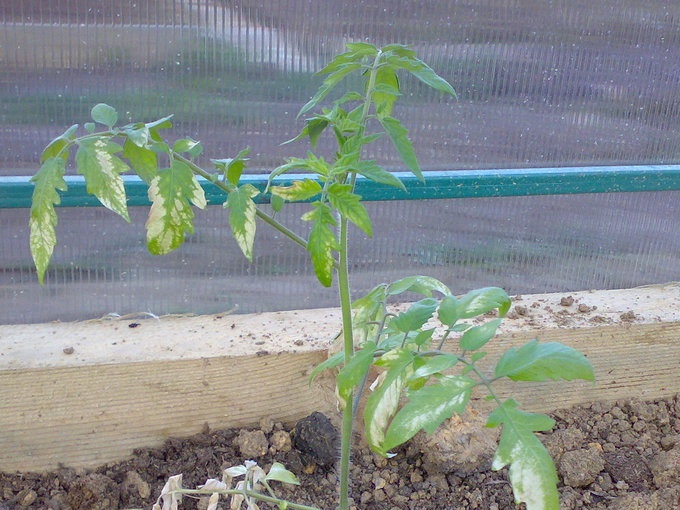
{"points": [[26, 498], [627, 465], [252, 444], [94, 492], [280, 441], [665, 468], [567, 301], [579, 468], [461, 445], [134, 484], [316, 437]]}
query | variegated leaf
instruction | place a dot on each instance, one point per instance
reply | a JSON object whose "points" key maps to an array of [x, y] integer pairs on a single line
{"points": [[532, 471], [383, 403], [349, 206], [427, 408], [172, 192], [96, 160], [322, 242], [43, 221], [242, 216], [298, 190]]}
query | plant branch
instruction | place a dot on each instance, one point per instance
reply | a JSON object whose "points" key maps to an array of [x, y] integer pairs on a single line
{"points": [[483, 379], [348, 345], [346, 308], [267, 218]]}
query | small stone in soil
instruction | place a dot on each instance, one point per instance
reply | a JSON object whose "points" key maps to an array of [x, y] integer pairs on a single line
{"points": [[567, 301], [252, 443]]}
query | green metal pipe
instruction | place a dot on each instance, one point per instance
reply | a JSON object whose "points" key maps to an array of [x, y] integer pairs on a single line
{"points": [[15, 192]]}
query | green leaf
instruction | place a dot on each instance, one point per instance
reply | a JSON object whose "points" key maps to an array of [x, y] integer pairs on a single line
{"points": [[322, 241], [399, 136], [311, 163], [242, 217], [448, 310], [401, 50], [416, 316], [171, 193], [427, 408], [331, 81], [383, 403], [480, 301], [43, 221], [104, 114], [353, 372], [477, 356], [191, 147], [290, 165], [419, 284], [232, 168], [97, 162], [279, 473], [298, 191], [348, 97], [348, 129], [434, 365], [138, 134], [277, 203], [386, 91], [164, 123], [327, 364], [423, 337], [356, 53], [532, 471], [477, 337], [368, 310], [56, 147], [144, 161], [360, 49], [349, 206], [421, 71], [425, 74], [313, 129], [543, 361], [374, 172]]}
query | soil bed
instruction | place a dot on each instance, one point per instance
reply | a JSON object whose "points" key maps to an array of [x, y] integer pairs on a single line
{"points": [[620, 455]]}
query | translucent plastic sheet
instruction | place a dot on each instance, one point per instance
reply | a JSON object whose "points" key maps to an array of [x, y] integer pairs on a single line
{"points": [[536, 244], [561, 83], [540, 83]]}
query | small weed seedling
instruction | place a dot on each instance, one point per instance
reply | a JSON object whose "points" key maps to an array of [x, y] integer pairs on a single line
{"points": [[418, 386]]}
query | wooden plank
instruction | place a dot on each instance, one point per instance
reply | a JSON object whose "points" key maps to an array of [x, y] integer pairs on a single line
{"points": [[133, 383], [630, 361], [88, 415]]}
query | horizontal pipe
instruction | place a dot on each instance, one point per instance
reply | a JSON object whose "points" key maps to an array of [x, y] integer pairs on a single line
{"points": [[16, 192]]}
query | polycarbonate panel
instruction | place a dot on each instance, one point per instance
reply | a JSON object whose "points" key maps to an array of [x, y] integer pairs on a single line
{"points": [[540, 83], [524, 244], [560, 83]]}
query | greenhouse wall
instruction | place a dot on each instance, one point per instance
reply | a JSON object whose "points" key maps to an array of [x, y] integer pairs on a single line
{"points": [[541, 86]]}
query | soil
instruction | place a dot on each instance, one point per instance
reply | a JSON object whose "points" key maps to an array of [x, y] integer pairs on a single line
{"points": [[621, 455]]}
